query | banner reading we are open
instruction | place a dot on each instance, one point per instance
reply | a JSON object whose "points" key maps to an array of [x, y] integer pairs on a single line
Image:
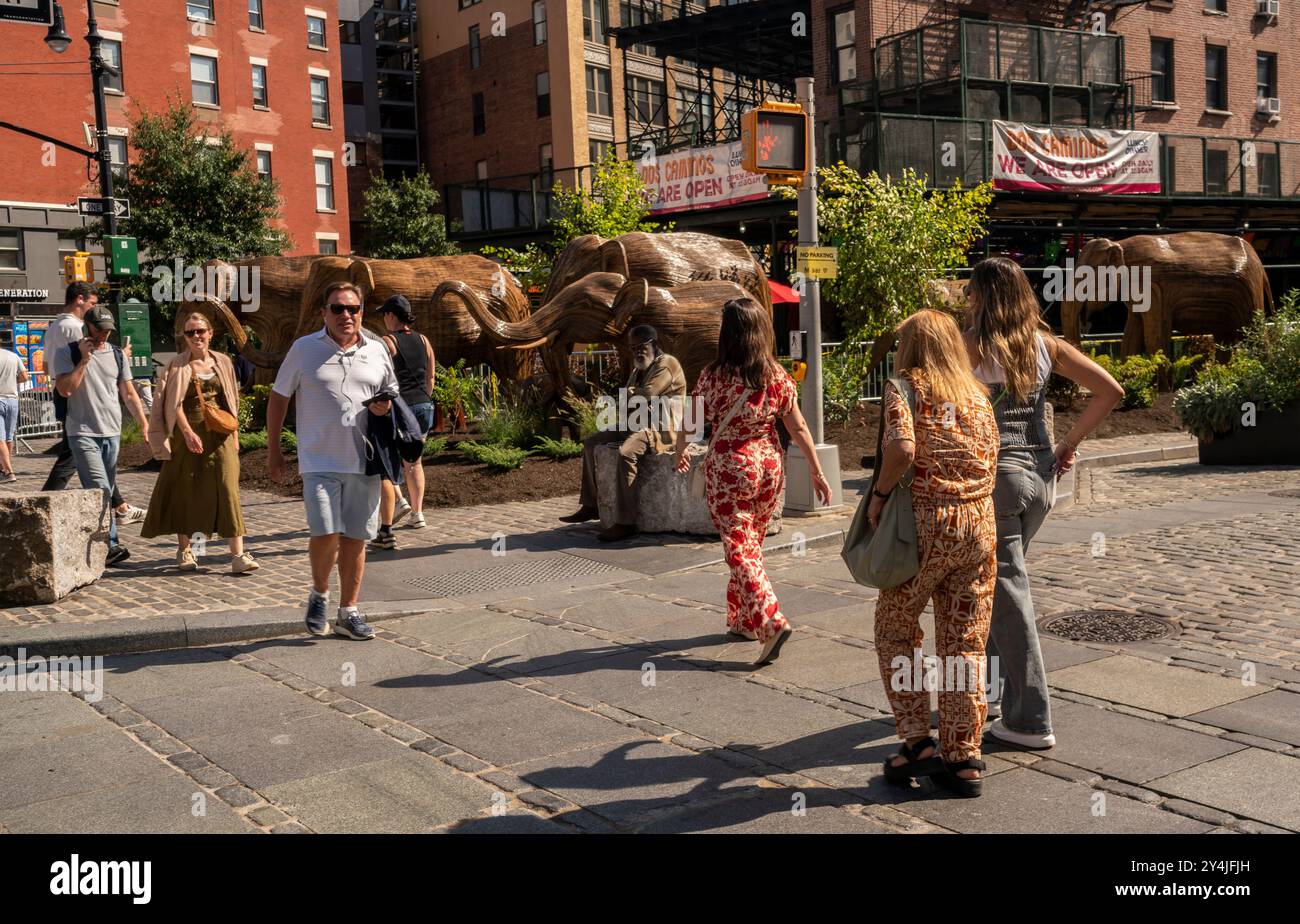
{"points": [[1081, 160]]}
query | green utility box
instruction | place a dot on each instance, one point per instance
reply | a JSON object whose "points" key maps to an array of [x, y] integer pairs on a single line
{"points": [[133, 322], [121, 254]]}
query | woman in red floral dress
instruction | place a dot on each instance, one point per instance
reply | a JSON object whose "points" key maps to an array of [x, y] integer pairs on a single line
{"points": [[745, 470]]}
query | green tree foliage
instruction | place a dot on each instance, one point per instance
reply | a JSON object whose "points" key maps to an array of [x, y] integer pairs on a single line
{"points": [[403, 219], [895, 237]]}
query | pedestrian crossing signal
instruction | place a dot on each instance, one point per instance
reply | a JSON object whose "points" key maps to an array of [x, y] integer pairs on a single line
{"points": [[774, 139], [78, 268]]}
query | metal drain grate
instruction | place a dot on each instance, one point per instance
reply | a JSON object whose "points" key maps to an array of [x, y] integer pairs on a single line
{"points": [[516, 574], [1109, 626], [1289, 492]]}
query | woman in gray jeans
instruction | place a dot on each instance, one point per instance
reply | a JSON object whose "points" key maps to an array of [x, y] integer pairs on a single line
{"points": [[1014, 353]]}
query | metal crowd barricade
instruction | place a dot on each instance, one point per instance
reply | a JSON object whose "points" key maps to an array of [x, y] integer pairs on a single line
{"points": [[36, 410]]}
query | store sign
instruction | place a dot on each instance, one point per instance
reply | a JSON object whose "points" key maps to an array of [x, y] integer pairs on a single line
{"points": [[700, 178], [38, 12], [1079, 160]]}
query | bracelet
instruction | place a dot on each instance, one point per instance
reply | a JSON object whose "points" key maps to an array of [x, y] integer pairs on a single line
{"points": [[879, 495]]}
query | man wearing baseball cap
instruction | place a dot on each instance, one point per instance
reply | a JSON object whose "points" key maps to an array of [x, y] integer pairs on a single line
{"points": [[92, 374]]}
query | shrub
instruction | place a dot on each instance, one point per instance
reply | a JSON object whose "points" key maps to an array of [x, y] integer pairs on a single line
{"points": [[252, 439], [1137, 375], [499, 458], [289, 440], [844, 371], [454, 387], [558, 449], [434, 445], [131, 433], [256, 398], [513, 423]]}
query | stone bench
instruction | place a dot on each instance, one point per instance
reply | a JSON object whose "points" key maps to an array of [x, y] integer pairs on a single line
{"points": [[53, 541], [664, 500]]}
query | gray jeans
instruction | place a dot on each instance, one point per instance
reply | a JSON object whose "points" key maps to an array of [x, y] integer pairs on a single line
{"points": [[1022, 498]]}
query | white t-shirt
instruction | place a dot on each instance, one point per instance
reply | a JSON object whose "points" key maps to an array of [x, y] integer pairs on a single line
{"points": [[64, 329], [9, 363], [331, 385]]}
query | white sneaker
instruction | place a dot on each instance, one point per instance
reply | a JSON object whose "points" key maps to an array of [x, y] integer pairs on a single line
{"points": [[1032, 742], [417, 521], [132, 515], [403, 508], [239, 564], [185, 560]]}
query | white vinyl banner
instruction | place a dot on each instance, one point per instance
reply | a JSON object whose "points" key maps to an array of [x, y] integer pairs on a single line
{"points": [[1082, 160], [700, 178]]}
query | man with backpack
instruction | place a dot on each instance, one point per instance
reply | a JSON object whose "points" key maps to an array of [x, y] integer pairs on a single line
{"points": [[92, 374]]}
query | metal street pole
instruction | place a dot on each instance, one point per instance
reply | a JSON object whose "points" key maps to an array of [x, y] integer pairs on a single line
{"points": [[95, 40], [800, 496]]}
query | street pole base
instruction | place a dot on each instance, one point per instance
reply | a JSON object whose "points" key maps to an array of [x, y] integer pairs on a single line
{"points": [[800, 499]]}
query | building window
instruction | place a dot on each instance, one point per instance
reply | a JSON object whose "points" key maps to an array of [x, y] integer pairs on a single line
{"points": [[316, 32], [647, 100], [1265, 75], [638, 13], [696, 106], [844, 47], [320, 100], [1216, 172], [324, 184], [349, 32], [11, 251], [543, 94], [203, 80], [255, 20], [480, 120], [539, 22], [480, 170], [259, 86], [327, 245], [1162, 70], [596, 151], [264, 166], [475, 49], [1217, 6], [598, 100], [200, 9], [595, 20], [1270, 175], [1216, 77], [546, 161], [110, 52], [117, 150]]}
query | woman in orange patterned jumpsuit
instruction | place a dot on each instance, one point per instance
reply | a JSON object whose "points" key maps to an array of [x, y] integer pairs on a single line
{"points": [[745, 469], [950, 436]]}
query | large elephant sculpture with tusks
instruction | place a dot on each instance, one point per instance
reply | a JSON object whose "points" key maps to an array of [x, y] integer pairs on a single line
{"points": [[667, 260], [291, 293], [601, 308], [1199, 283]]}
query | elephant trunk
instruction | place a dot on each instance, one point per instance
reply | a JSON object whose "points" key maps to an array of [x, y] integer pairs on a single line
{"points": [[260, 358], [521, 335]]}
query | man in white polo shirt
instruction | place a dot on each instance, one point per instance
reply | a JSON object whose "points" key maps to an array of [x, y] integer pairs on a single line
{"points": [[333, 374]]}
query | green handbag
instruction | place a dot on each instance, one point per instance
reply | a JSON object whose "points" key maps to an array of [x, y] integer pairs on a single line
{"points": [[887, 555]]}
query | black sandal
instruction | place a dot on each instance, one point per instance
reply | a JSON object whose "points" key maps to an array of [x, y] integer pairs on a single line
{"points": [[967, 789], [915, 767]]}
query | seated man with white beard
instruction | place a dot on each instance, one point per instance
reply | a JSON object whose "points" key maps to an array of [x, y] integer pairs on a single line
{"points": [[655, 375]]}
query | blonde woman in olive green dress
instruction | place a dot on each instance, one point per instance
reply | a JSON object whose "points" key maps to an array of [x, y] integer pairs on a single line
{"points": [[197, 492]]}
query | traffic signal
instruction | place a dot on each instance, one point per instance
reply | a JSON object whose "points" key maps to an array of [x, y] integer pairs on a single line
{"points": [[78, 268], [774, 138]]}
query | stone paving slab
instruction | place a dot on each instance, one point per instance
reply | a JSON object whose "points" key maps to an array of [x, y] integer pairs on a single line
{"points": [[1251, 782], [1148, 685], [1274, 715], [771, 811], [1128, 748], [406, 794]]}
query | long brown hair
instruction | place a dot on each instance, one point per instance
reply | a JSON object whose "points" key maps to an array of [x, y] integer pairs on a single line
{"points": [[1005, 320], [930, 342], [746, 343]]}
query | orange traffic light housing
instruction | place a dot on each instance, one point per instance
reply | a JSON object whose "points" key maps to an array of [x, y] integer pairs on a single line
{"points": [[774, 139]]}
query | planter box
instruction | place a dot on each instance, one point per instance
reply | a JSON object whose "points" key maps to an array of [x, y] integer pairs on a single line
{"points": [[1274, 440]]}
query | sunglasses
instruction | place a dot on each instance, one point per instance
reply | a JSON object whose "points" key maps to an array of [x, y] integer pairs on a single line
{"points": [[350, 309], [197, 331]]}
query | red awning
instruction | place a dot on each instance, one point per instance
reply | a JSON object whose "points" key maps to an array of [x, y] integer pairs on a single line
{"points": [[781, 294]]}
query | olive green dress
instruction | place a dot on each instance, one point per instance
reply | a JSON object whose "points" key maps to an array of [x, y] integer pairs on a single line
{"points": [[198, 493]]}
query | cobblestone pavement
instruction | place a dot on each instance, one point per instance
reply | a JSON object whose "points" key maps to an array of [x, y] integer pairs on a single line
{"points": [[554, 708]]}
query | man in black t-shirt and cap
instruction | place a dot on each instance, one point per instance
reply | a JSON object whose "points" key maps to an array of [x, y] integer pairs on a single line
{"points": [[414, 363]]}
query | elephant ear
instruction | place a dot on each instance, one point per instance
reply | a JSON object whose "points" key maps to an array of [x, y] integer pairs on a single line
{"points": [[634, 294], [613, 257], [360, 275]]}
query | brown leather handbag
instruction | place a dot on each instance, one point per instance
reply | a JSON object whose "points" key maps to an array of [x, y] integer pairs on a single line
{"points": [[216, 420]]}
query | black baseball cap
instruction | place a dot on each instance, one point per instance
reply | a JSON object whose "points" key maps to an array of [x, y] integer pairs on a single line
{"points": [[100, 319], [398, 305]]}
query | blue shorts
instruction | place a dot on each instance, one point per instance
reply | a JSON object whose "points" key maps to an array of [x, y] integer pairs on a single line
{"points": [[8, 419], [343, 503], [423, 416]]}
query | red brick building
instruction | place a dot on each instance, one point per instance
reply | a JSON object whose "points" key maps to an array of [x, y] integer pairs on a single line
{"points": [[209, 53]]}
